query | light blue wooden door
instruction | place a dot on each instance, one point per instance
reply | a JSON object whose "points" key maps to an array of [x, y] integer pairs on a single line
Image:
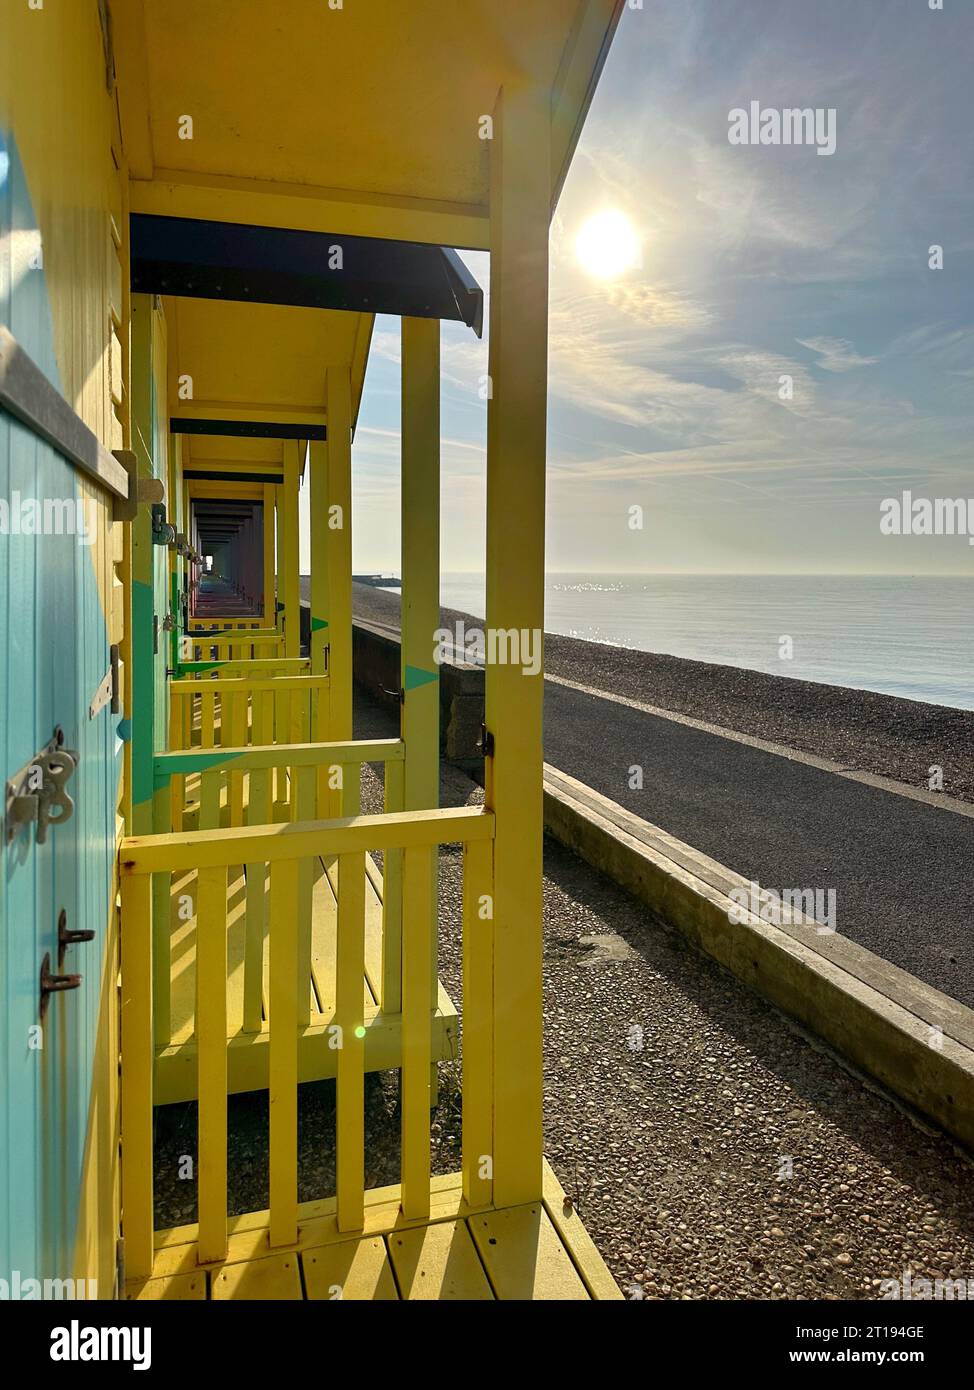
{"points": [[53, 656]]}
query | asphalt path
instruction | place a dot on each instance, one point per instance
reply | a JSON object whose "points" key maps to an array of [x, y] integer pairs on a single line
{"points": [[902, 871]]}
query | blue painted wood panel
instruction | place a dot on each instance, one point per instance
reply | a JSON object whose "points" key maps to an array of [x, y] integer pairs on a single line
{"points": [[54, 652]]}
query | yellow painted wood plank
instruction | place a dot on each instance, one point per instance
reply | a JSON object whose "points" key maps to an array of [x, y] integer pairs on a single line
{"points": [[350, 1103], [187, 686], [404, 829], [173, 1288], [227, 639], [258, 887], [373, 924], [262, 732], [478, 1025], [303, 779], [237, 726], [275, 1279], [373, 930], [211, 787], [524, 1256], [161, 1012], [248, 1053], [184, 921], [283, 1053], [439, 1262], [391, 985], [246, 667], [211, 1043], [350, 1271], [137, 1052], [176, 1250], [260, 755], [208, 718], [446, 1202], [417, 1004], [573, 1235]]}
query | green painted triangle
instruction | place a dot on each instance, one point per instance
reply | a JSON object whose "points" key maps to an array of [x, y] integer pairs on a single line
{"points": [[416, 676], [318, 623]]}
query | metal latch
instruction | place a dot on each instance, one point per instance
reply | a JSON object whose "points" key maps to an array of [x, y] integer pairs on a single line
{"points": [[163, 533], [37, 794]]}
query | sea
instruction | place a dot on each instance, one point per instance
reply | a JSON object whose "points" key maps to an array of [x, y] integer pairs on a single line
{"points": [[904, 635]]}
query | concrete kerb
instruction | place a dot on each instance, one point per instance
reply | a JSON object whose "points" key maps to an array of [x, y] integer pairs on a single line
{"points": [[914, 1040]]}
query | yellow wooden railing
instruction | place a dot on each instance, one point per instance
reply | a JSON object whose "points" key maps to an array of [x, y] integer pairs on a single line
{"points": [[237, 646], [283, 850], [242, 789], [214, 710], [229, 624]]}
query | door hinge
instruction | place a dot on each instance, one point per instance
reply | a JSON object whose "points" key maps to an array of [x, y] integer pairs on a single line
{"points": [[116, 679], [108, 690], [486, 744]]}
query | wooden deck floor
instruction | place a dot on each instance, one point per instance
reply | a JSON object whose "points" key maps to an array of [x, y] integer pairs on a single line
{"points": [[247, 1051], [540, 1251]]}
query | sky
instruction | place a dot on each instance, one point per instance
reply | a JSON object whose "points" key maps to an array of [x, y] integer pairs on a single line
{"points": [[756, 262]]}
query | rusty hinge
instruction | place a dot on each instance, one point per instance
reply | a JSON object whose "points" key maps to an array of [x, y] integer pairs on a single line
{"points": [[54, 984], [66, 937], [116, 679]]}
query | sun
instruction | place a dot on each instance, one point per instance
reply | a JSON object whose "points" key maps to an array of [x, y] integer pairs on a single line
{"points": [[608, 245]]}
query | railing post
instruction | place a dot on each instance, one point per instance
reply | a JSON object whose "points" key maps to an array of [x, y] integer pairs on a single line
{"points": [[211, 1046], [283, 1095], [137, 1064], [417, 1008], [478, 1021], [392, 901], [350, 1109]]}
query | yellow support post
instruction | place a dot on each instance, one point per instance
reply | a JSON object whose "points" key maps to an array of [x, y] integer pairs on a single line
{"points": [[420, 610], [339, 566], [520, 208], [318, 469], [279, 551], [288, 562], [270, 523], [137, 1066], [326, 801]]}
